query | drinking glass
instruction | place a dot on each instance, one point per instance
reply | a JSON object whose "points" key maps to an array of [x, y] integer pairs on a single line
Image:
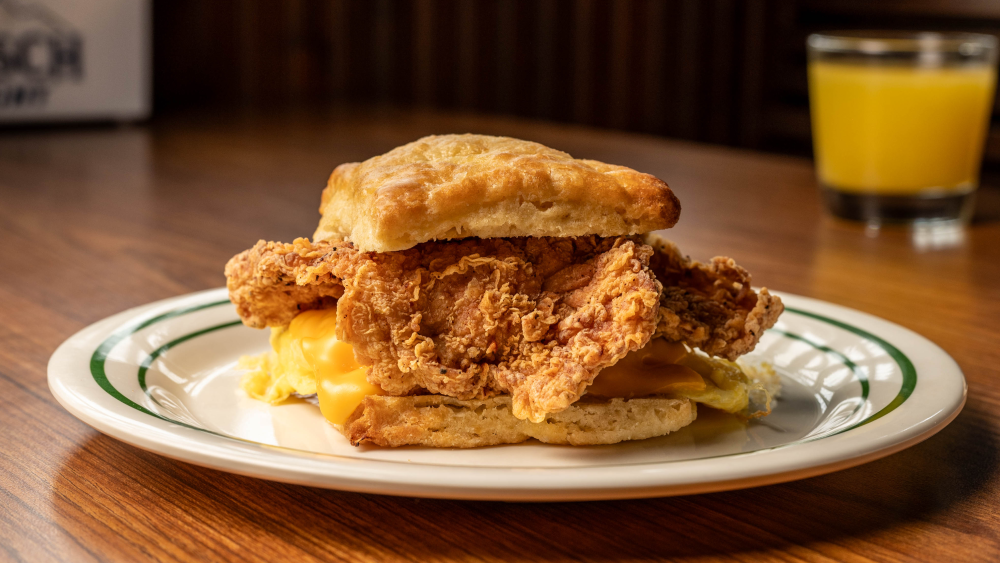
{"points": [[899, 121]]}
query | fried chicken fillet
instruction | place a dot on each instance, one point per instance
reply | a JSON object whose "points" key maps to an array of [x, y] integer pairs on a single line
{"points": [[483, 283], [535, 318]]}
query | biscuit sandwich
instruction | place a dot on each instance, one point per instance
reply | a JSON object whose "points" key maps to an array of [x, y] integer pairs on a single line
{"points": [[469, 290]]}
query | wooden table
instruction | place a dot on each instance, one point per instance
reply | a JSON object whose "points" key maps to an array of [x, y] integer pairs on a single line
{"points": [[96, 220]]}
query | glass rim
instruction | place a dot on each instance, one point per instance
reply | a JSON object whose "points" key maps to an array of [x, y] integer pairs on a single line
{"points": [[885, 42]]}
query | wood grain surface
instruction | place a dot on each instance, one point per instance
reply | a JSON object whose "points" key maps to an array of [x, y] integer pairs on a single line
{"points": [[96, 220]]}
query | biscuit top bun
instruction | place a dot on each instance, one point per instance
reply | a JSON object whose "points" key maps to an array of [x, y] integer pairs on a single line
{"points": [[458, 186]]}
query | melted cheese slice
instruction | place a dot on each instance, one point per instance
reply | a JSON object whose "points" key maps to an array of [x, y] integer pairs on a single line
{"points": [[670, 368], [651, 370]]}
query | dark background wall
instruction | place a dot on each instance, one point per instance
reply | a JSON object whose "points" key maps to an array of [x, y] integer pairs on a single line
{"points": [[721, 71]]}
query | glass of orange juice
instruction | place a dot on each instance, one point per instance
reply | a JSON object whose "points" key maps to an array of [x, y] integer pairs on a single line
{"points": [[899, 121]]}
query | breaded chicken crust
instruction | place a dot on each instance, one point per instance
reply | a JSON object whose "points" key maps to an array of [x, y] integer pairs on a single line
{"points": [[535, 318], [274, 281], [710, 306]]}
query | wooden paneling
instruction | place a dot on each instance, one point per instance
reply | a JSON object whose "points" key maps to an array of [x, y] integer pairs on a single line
{"points": [[721, 71], [634, 64]]}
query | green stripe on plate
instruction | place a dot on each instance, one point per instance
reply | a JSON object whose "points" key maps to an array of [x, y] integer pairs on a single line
{"points": [[862, 378], [148, 360], [905, 365], [100, 357]]}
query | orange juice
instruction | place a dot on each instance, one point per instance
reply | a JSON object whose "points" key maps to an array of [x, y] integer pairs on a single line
{"points": [[899, 130]]}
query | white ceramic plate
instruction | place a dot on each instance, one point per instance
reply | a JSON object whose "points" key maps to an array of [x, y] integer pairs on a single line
{"points": [[162, 377]]}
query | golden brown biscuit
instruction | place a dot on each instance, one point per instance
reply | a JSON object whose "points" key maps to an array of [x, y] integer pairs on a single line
{"points": [[457, 186], [445, 422]]}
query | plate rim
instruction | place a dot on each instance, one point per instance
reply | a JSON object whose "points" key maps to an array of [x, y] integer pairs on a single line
{"points": [[487, 483]]}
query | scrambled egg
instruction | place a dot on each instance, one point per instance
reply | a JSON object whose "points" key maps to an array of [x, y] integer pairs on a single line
{"points": [[307, 358]]}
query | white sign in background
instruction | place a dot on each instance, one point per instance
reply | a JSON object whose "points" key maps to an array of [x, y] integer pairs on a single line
{"points": [[69, 60]]}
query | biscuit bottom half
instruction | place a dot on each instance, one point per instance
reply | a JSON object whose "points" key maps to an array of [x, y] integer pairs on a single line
{"points": [[440, 421]]}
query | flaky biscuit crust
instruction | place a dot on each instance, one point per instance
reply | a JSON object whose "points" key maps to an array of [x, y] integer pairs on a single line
{"points": [[446, 422], [458, 186]]}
